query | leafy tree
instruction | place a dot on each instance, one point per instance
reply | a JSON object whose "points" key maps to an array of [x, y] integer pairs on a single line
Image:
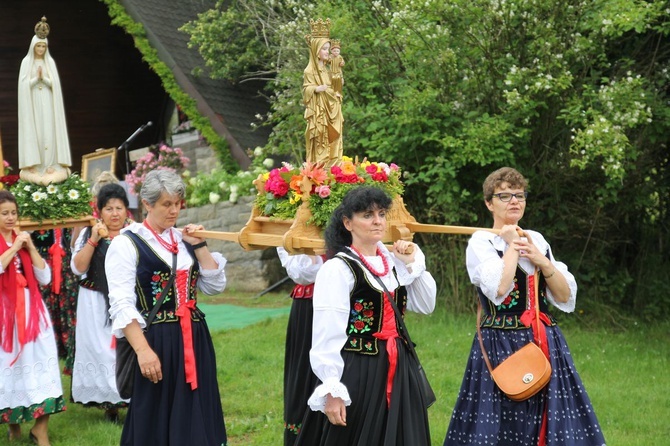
{"points": [[573, 93]]}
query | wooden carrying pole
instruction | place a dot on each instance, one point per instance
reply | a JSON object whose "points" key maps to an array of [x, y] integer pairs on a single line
{"points": [[29, 225], [445, 229], [311, 244]]}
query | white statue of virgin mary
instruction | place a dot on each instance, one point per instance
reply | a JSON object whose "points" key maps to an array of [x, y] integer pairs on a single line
{"points": [[44, 147]]}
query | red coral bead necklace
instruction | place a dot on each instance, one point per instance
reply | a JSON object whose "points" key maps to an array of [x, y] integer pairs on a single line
{"points": [[172, 247], [369, 266]]}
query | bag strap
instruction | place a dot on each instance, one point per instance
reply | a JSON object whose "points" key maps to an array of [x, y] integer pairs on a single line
{"points": [[536, 299], [479, 318], [164, 292], [397, 312], [479, 335]]}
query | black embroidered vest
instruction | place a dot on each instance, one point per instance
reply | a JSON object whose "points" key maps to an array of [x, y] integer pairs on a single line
{"points": [[507, 315], [96, 279], [152, 275], [367, 310]]}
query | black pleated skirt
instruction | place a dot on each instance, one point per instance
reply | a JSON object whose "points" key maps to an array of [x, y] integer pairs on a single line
{"points": [[169, 413], [299, 380], [370, 422]]}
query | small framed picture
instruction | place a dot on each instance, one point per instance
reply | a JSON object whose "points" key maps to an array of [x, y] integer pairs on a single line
{"points": [[93, 164]]}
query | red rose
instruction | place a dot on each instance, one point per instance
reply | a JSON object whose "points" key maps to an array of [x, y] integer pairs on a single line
{"points": [[367, 313], [380, 176], [155, 278], [359, 325], [358, 306]]}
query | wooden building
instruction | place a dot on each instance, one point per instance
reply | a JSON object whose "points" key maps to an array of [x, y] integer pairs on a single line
{"points": [[108, 90]]}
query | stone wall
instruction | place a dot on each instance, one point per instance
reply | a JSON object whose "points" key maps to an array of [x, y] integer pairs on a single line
{"points": [[251, 271], [202, 156]]}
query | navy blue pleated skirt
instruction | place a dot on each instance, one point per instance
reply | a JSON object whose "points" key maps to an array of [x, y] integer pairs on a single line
{"points": [[483, 415], [169, 413]]}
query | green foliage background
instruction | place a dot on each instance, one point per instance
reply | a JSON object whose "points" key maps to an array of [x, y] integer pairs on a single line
{"points": [[572, 93]]}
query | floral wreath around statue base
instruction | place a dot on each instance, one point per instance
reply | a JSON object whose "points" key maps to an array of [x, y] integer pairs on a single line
{"points": [[68, 199]]}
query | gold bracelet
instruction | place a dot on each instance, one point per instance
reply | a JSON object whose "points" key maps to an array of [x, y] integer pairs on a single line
{"points": [[550, 275]]}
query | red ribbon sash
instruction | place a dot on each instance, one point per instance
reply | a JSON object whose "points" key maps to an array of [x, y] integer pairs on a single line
{"points": [[184, 309], [57, 253], [389, 333], [528, 318]]}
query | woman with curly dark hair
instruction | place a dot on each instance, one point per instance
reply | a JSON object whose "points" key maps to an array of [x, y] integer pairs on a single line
{"points": [[368, 392]]}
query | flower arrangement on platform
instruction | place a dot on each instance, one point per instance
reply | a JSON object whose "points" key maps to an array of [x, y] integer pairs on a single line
{"points": [[164, 157], [7, 180], [282, 190], [69, 199]]}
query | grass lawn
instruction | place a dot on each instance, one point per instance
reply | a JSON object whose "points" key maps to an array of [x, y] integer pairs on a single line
{"points": [[624, 371]]}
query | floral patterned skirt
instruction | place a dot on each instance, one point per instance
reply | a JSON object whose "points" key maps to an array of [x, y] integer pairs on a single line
{"points": [[31, 384], [62, 306], [22, 414]]}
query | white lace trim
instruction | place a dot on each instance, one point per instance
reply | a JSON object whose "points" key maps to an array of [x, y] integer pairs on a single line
{"points": [[338, 390]]}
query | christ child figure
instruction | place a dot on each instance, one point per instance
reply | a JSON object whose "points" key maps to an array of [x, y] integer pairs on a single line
{"points": [[336, 63]]}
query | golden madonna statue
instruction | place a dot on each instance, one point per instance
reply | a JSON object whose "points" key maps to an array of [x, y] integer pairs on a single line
{"points": [[323, 105]]}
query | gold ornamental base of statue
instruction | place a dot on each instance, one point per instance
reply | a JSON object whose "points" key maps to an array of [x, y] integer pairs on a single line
{"points": [[299, 237]]}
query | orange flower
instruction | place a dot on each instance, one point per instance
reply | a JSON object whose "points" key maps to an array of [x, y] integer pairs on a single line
{"points": [[348, 168], [315, 172], [295, 183]]}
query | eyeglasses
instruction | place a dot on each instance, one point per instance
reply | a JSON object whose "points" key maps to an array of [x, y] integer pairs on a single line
{"points": [[507, 196]]}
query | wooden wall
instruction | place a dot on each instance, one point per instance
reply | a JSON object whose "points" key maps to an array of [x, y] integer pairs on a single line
{"points": [[108, 90]]}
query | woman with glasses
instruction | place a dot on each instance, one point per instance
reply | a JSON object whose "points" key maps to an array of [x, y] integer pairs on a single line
{"points": [[502, 268]]}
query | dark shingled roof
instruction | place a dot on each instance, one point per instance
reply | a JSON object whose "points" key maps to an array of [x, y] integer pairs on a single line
{"points": [[235, 105]]}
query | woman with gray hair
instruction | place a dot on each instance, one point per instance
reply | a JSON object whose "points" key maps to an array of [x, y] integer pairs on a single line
{"points": [[175, 397]]}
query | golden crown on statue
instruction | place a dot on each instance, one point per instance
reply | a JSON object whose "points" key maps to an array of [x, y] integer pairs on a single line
{"points": [[42, 28], [320, 29], [334, 43]]}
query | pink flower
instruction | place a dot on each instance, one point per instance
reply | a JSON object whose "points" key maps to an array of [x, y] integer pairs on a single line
{"points": [[344, 176], [323, 191], [276, 184]]}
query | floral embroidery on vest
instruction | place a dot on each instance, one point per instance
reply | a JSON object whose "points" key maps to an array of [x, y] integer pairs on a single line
{"points": [[158, 281], [512, 298], [362, 317]]}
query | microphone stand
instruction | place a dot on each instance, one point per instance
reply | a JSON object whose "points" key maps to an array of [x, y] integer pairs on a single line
{"points": [[124, 145]]}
